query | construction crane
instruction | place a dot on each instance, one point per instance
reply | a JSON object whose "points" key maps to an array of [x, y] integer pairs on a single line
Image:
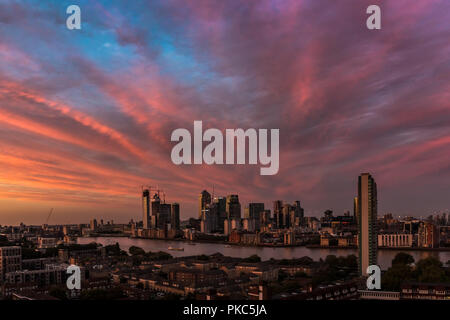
{"points": [[49, 215], [157, 190], [164, 195]]}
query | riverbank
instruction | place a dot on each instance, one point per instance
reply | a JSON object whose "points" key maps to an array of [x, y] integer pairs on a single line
{"points": [[445, 249], [263, 245], [265, 253], [270, 245]]}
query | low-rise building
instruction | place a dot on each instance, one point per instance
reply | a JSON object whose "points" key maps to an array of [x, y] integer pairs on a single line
{"points": [[425, 291], [395, 240], [10, 260], [47, 242], [378, 295], [193, 276], [52, 274]]}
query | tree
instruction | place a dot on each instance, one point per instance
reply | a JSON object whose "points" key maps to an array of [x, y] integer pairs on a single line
{"points": [[403, 258], [113, 250], [334, 268], [136, 260], [58, 293], [136, 251], [161, 255], [430, 270], [282, 275], [399, 272], [393, 278], [331, 260], [351, 261], [252, 259]]}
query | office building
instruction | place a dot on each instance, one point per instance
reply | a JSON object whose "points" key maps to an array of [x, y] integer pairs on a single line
{"points": [[395, 240], [428, 235], [233, 207], [204, 199], [299, 212], [10, 260], [145, 209], [163, 215], [265, 219], [175, 216], [209, 221], [93, 224], [253, 212], [220, 204], [277, 214]]}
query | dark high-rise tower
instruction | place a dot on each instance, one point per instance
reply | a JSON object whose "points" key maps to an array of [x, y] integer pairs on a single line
{"points": [[367, 221], [164, 215], [285, 216], [203, 200], [233, 207], [155, 209], [299, 211], [221, 205], [175, 216], [254, 212], [277, 214]]}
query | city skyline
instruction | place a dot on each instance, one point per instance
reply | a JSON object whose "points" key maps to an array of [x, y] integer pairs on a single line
{"points": [[145, 207], [86, 115]]}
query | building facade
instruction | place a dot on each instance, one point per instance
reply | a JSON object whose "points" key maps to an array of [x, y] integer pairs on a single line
{"points": [[395, 240], [146, 208], [204, 199], [10, 260], [233, 207], [367, 222]]}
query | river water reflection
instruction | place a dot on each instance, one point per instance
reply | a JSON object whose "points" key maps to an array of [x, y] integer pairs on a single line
{"points": [[384, 256]]}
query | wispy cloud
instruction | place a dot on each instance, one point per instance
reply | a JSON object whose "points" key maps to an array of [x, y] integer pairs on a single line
{"points": [[86, 116]]}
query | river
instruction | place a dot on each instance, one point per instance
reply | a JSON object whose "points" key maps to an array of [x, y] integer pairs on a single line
{"points": [[384, 256]]}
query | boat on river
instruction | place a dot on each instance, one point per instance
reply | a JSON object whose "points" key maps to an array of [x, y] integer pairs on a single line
{"points": [[175, 249]]}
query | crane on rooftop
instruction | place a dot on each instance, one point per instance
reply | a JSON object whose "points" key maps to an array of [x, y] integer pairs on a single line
{"points": [[49, 215]]}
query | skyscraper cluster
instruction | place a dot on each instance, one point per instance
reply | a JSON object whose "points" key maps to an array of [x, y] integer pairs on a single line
{"points": [[214, 211], [287, 215], [224, 214], [157, 214]]}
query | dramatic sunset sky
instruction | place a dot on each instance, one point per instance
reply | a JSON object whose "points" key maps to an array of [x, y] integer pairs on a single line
{"points": [[86, 115]]}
